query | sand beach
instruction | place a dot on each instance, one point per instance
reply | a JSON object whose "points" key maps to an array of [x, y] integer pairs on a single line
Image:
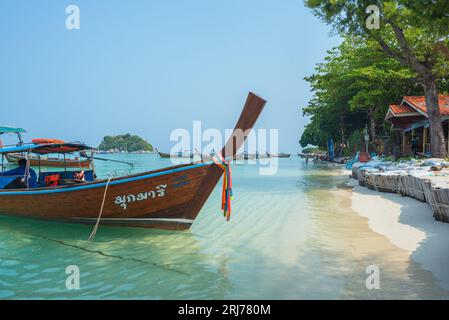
{"points": [[408, 224]]}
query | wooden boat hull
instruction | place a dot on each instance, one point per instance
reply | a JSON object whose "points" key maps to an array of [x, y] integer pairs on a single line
{"points": [[43, 162], [192, 157], [163, 199], [283, 155], [168, 198], [166, 155]]}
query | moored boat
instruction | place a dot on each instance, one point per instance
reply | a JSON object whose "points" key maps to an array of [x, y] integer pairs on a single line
{"points": [[164, 155], [180, 155], [168, 198], [263, 155], [35, 161], [46, 161], [283, 155]]}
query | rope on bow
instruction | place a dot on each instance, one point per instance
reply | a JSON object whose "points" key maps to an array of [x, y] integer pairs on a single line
{"points": [[226, 193], [94, 231]]}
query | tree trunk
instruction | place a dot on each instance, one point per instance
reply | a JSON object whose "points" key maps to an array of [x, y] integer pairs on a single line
{"points": [[342, 133], [342, 129], [372, 124], [428, 80], [437, 140]]}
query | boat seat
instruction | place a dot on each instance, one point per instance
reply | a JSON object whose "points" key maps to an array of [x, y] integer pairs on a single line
{"points": [[65, 175]]}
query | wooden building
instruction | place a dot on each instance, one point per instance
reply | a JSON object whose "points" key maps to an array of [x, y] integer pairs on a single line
{"points": [[411, 119]]}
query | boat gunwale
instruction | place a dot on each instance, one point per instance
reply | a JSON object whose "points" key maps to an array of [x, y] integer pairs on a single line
{"points": [[16, 158], [103, 182]]}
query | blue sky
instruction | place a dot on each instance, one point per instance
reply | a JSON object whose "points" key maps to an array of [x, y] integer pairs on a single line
{"points": [[147, 67]]}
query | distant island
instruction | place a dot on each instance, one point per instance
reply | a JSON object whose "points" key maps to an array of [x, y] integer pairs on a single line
{"points": [[124, 143]]}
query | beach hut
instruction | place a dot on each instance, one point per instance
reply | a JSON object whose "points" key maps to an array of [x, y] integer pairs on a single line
{"points": [[411, 120]]}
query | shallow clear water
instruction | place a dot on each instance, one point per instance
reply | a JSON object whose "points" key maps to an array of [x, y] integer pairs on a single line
{"points": [[291, 236]]}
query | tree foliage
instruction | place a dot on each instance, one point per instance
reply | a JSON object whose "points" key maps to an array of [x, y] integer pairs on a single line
{"points": [[353, 88], [125, 142], [413, 32], [313, 150]]}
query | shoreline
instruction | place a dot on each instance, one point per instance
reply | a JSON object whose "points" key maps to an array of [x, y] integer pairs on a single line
{"points": [[408, 224]]}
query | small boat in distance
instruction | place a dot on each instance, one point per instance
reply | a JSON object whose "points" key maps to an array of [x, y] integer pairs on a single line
{"points": [[168, 198], [181, 155], [47, 160], [165, 155], [247, 156], [282, 155], [265, 155]]}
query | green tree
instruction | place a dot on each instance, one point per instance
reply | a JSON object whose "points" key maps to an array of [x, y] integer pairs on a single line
{"points": [[125, 142], [377, 80], [413, 32], [354, 86]]}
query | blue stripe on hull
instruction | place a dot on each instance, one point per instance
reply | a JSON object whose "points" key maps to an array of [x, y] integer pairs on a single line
{"points": [[101, 184]]}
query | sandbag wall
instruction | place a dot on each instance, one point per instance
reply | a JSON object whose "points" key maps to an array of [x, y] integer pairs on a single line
{"points": [[437, 196], [358, 173], [384, 181], [412, 186], [418, 185]]}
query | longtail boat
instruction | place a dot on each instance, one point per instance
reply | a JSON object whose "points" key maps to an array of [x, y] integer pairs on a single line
{"points": [[48, 161], [164, 155], [283, 155], [265, 155], [76, 162], [180, 155], [175, 155], [168, 198]]}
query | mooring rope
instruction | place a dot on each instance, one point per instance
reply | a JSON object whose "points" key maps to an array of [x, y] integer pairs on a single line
{"points": [[94, 231], [226, 192]]}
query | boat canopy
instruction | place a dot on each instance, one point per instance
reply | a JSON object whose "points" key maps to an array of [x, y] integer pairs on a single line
{"points": [[46, 148], [11, 130]]}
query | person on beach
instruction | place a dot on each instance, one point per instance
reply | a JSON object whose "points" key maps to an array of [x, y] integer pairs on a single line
{"points": [[342, 148], [20, 171]]}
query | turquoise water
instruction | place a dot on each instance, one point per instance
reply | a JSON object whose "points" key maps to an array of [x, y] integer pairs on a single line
{"points": [[291, 236]]}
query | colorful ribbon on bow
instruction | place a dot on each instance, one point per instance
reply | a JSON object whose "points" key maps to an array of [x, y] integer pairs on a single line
{"points": [[226, 193]]}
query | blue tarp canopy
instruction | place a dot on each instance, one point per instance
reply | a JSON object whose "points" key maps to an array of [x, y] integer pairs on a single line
{"points": [[21, 148], [5, 180], [11, 130], [46, 148]]}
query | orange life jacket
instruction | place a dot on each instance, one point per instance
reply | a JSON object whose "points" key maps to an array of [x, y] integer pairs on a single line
{"points": [[52, 180], [46, 141]]}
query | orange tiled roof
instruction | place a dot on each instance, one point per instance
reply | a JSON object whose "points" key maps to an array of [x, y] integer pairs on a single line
{"points": [[398, 109], [419, 104]]}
